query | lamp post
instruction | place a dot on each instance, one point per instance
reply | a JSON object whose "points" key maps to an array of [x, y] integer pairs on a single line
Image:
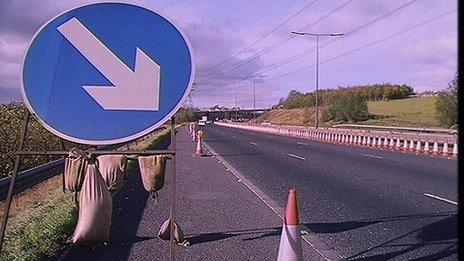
{"points": [[317, 64]]}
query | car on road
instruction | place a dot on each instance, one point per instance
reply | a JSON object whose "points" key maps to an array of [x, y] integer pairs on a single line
{"points": [[201, 123]]}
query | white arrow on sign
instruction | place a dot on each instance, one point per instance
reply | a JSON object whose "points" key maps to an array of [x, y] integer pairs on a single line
{"points": [[131, 90]]}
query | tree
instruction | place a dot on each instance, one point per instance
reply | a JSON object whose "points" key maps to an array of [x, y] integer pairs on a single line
{"points": [[185, 115], [349, 107], [446, 105]]}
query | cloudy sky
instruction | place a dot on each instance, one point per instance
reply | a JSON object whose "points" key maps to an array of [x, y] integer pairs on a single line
{"points": [[396, 41]]}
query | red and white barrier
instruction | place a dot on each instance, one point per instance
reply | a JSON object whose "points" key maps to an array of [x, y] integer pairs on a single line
{"points": [[441, 146]]}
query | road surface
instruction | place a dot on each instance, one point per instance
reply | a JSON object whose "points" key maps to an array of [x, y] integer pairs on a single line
{"points": [[366, 203]]}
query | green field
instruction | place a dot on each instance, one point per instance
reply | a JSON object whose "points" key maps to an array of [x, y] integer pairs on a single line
{"points": [[416, 112], [411, 112]]}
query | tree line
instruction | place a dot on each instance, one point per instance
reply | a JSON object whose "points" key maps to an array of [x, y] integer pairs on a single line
{"points": [[376, 92]]}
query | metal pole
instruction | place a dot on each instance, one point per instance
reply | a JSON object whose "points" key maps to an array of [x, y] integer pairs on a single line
{"points": [[173, 189], [236, 104], [254, 93], [6, 210], [63, 147], [317, 80]]}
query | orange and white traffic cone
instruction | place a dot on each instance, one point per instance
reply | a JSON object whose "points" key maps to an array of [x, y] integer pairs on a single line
{"points": [[426, 147], [418, 147], [290, 241], [405, 145], [398, 144], [199, 150], [445, 149], [193, 134], [435, 149], [455, 149], [411, 146]]}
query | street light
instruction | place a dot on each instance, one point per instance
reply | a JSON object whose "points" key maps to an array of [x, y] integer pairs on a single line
{"points": [[254, 85], [317, 64]]}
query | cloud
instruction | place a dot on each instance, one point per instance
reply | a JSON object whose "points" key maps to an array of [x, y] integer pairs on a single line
{"points": [[425, 57], [442, 50]]}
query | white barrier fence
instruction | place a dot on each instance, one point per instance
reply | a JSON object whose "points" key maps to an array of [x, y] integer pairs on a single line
{"points": [[445, 145]]}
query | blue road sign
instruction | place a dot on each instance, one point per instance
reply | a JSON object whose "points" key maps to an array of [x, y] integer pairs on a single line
{"points": [[106, 73]]}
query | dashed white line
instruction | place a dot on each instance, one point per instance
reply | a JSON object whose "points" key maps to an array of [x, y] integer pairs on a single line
{"points": [[252, 143], [372, 156], [302, 143], [270, 137], [234, 137], [440, 198], [296, 156]]}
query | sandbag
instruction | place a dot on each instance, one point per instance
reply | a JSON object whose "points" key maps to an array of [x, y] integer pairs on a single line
{"points": [[95, 207], [74, 170], [152, 169], [113, 170], [165, 231]]}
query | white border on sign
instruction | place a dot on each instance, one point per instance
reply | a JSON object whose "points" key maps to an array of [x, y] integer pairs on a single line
{"points": [[138, 134]]}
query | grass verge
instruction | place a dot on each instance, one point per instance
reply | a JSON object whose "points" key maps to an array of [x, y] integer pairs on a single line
{"points": [[411, 112], [42, 218]]}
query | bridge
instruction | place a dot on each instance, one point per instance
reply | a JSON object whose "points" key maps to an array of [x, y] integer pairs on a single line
{"points": [[231, 113]]}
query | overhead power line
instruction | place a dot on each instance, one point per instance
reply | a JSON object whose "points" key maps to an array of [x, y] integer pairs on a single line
{"points": [[264, 36], [277, 44], [333, 40], [367, 45], [329, 42]]}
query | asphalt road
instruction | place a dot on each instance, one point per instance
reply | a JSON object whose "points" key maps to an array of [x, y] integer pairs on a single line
{"points": [[366, 203], [221, 219]]}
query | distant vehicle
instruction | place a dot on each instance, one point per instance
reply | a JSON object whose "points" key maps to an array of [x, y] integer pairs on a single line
{"points": [[201, 123]]}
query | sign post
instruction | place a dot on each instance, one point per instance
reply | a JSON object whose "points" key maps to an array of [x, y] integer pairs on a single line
{"points": [[105, 73]]}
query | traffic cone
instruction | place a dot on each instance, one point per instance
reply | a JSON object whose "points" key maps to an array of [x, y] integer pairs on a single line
{"points": [[385, 142], [455, 149], [392, 143], [411, 146], [398, 144], [405, 145], [418, 147], [359, 140], [193, 133], [368, 141], [435, 149], [426, 147], [445, 149], [199, 150], [290, 241]]}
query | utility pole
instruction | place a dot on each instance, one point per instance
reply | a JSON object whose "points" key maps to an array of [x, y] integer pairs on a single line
{"points": [[253, 77], [317, 66]]}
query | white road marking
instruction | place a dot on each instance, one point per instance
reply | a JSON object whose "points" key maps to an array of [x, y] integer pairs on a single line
{"points": [[252, 143], [302, 143], [296, 156], [270, 137], [325, 251], [440, 198], [234, 137], [372, 156]]}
